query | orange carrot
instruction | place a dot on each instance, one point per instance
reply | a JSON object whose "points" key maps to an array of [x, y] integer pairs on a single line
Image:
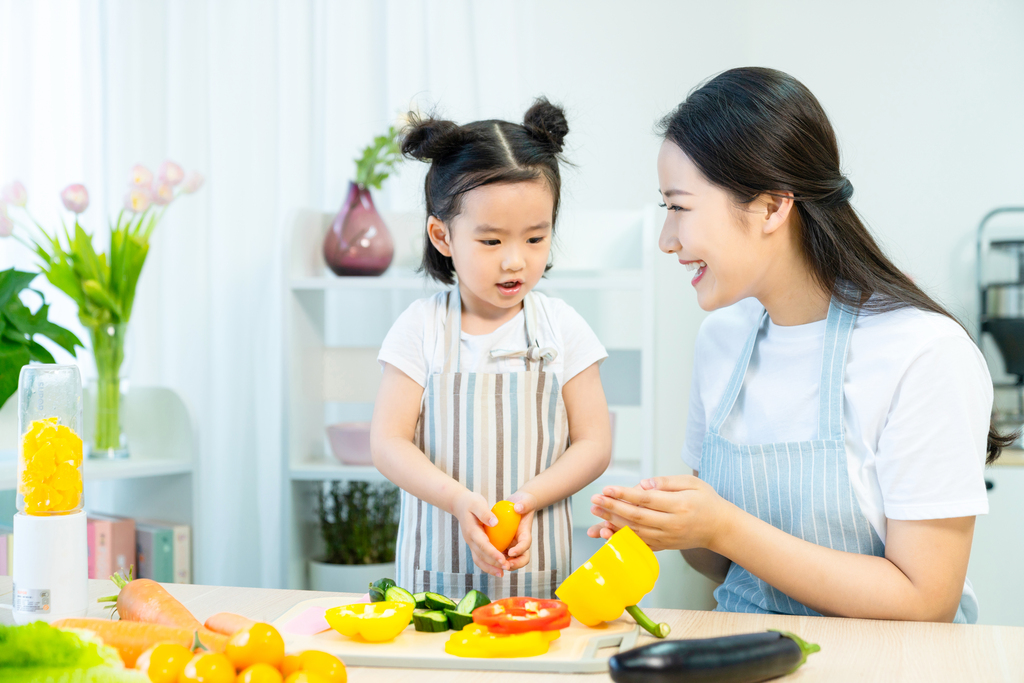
{"points": [[132, 638], [228, 623], [146, 600]]}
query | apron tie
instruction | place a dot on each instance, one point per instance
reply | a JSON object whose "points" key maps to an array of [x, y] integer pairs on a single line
{"points": [[534, 353]]}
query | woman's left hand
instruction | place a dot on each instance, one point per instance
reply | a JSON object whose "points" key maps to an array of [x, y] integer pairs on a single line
{"points": [[519, 552], [678, 512]]}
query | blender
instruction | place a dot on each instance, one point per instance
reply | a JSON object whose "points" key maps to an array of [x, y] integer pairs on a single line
{"points": [[51, 570]]}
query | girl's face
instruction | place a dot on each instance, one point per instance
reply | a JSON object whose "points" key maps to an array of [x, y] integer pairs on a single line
{"points": [[499, 244], [725, 247]]}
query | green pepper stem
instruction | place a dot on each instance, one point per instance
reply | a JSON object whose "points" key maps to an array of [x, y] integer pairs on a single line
{"points": [[805, 647], [656, 630]]}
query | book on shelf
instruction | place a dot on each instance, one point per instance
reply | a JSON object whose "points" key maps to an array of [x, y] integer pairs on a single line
{"points": [[6, 551], [114, 545]]}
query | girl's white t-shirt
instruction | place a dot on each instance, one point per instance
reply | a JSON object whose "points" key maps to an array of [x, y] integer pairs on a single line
{"points": [[415, 343], [917, 400]]}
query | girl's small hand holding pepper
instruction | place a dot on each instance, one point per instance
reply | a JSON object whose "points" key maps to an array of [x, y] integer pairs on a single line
{"points": [[473, 512], [519, 552], [667, 512]]}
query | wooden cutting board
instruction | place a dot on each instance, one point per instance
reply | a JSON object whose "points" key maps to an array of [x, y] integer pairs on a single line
{"points": [[580, 649]]}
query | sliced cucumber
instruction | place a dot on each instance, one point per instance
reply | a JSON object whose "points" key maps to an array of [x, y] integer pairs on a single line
{"points": [[421, 600], [457, 620], [399, 594], [471, 601], [429, 621], [436, 601], [378, 588]]}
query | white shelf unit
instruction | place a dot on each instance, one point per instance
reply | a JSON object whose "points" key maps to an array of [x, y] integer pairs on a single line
{"points": [[334, 326], [154, 482]]}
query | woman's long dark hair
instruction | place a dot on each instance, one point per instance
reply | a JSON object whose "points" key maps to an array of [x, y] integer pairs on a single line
{"points": [[754, 131]]}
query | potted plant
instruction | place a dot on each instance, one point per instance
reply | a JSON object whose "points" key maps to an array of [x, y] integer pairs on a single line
{"points": [[359, 527]]}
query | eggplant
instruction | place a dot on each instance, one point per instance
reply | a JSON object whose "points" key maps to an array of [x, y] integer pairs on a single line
{"points": [[745, 658]]}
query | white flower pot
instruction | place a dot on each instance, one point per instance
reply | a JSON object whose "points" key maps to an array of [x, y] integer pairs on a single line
{"points": [[347, 578]]}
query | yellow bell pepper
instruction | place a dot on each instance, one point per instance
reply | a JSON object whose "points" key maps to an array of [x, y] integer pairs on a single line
{"points": [[374, 622], [476, 641], [613, 580]]}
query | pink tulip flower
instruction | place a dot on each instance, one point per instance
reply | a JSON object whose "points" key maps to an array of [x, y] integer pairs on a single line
{"points": [[6, 224], [14, 194], [171, 173], [163, 194], [137, 200], [75, 198], [140, 176], [193, 181]]}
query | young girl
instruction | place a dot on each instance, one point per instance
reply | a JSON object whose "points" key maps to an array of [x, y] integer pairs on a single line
{"points": [[839, 417], [490, 390]]}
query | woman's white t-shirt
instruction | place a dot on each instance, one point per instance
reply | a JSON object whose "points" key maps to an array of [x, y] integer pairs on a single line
{"points": [[415, 345], [917, 404]]}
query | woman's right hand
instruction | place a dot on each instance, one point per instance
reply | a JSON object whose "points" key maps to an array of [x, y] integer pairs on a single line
{"points": [[473, 512]]}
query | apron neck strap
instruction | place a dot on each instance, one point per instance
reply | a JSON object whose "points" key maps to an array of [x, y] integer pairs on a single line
{"points": [[453, 334], [838, 330]]}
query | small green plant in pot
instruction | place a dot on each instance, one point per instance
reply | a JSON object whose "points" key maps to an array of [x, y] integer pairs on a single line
{"points": [[359, 527]]}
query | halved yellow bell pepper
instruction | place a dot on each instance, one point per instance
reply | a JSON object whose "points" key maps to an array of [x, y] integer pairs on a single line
{"points": [[476, 641], [374, 622], [613, 580]]}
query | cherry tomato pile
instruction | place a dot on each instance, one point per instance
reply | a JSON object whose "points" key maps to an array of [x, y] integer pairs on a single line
{"points": [[253, 655]]}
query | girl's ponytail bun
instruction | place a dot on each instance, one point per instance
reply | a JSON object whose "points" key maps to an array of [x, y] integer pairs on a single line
{"points": [[427, 139], [546, 122]]}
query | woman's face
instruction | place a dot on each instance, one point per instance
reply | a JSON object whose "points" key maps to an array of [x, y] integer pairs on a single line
{"points": [[721, 243]]}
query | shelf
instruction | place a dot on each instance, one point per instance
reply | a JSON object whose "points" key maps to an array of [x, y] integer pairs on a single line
{"points": [[332, 470], [100, 470], [409, 281]]}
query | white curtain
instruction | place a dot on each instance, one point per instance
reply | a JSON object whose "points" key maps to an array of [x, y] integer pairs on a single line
{"points": [[271, 101]]}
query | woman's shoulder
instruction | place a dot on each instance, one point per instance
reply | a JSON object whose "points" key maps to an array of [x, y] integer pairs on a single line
{"points": [[910, 331]]}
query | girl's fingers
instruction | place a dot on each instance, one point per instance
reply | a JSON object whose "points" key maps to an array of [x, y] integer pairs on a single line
{"points": [[524, 536], [521, 561], [485, 566]]}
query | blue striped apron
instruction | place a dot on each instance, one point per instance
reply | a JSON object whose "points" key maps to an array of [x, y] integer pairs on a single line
{"points": [[801, 487], [491, 433]]}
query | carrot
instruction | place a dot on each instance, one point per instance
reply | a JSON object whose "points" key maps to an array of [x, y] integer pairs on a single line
{"points": [[132, 638], [228, 623], [146, 600]]}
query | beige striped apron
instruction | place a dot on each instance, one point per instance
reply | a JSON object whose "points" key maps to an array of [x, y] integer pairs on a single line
{"points": [[491, 433]]}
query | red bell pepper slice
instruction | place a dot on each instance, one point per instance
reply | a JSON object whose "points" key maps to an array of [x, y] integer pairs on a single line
{"points": [[519, 615]]}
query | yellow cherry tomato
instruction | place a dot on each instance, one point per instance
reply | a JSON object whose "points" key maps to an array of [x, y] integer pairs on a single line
{"points": [[208, 667], [164, 662], [305, 677], [325, 665], [260, 673], [259, 644], [290, 664], [504, 531]]}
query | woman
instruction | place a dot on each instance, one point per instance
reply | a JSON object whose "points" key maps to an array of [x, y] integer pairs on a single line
{"points": [[839, 417]]}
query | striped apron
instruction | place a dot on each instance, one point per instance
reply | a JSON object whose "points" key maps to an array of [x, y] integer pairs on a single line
{"points": [[492, 433], [801, 487]]}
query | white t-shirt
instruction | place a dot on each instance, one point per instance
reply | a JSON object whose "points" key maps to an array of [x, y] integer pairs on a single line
{"points": [[916, 409], [415, 343]]}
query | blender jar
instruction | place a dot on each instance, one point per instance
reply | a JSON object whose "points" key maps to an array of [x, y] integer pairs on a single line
{"points": [[49, 445]]}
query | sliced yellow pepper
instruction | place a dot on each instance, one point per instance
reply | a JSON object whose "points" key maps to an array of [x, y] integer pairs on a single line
{"points": [[476, 641], [613, 580], [374, 622]]}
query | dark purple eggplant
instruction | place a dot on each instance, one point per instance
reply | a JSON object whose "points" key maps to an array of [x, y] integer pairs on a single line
{"points": [[745, 658]]}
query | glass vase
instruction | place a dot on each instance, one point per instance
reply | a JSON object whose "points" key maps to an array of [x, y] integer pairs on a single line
{"points": [[108, 391], [358, 243]]}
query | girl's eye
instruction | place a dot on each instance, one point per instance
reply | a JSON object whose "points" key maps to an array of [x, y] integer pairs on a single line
{"points": [[490, 243], [672, 207], [536, 240]]}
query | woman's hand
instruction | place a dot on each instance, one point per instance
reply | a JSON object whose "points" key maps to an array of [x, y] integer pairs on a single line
{"points": [[519, 552], [678, 512], [473, 512]]}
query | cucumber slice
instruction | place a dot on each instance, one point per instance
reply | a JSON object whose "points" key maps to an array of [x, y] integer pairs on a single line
{"points": [[471, 601], [399, 594], [429, 621], [436, 601], [379, 587], [421, 600], [457, 620]]}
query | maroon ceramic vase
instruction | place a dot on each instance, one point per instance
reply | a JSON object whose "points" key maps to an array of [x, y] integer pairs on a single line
{"points": [[358, 243]]}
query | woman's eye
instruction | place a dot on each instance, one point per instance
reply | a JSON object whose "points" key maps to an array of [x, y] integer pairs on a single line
{"points": [[672, 207]]}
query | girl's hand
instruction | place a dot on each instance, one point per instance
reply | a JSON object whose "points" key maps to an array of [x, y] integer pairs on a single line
{"points": [[679, 512], [519, 552], [472, 511]]}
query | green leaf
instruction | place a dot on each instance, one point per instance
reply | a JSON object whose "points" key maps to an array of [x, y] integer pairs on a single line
{"points": [[12, 358], [38, 353], [13, 281], [14, 337], [95, 292], [64, 338]]}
